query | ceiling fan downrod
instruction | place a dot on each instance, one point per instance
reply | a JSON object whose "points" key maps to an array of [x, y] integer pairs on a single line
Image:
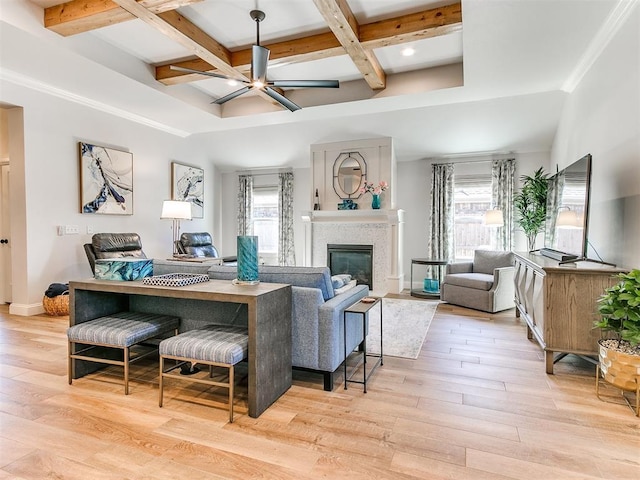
{"points": [[257, 16]]}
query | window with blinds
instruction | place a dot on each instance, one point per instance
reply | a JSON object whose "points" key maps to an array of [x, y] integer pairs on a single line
{"points": [[265, 222], [472, 198]]}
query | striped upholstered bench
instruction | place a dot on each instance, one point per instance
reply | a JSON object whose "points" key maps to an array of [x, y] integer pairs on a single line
{"points": [[120, 331], [212, 345]]}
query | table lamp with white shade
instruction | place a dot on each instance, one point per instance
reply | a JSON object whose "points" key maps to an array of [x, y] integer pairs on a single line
{"points": [[176, 211]]}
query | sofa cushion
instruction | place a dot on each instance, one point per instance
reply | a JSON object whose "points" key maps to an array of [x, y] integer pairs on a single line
{"points": [[484, 261], [478, 281], [311, 277]]}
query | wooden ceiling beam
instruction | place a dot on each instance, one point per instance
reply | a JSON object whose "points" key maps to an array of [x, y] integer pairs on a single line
{"points": [[77, 16], [183, 31], [414, 26], [345, 27], [180, 29]]}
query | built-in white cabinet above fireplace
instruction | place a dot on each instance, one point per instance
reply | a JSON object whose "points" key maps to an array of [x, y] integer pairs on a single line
{"points": [[371, 160]]}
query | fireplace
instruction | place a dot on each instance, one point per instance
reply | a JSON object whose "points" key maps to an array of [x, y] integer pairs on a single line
{"points": [[356, 260]]}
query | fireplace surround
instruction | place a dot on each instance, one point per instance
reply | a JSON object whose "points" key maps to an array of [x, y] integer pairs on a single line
{"points": [[382, 229]]}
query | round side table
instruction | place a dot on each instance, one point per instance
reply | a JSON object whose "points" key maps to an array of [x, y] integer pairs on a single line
{"points": [[422, 293]]}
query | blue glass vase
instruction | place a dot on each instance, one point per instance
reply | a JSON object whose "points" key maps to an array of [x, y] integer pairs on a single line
{"points": [[375, 201], [247, 252]]}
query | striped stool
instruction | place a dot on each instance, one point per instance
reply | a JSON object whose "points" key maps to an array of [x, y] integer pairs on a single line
{"points": [[120, 331], [213, 345]]}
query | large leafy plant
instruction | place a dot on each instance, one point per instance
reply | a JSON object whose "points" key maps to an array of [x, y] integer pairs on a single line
{"points": [[620, 308], [531, 204]]}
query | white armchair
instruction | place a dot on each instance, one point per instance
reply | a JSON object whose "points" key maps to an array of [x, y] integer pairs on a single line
{"points": [[485, 284]]}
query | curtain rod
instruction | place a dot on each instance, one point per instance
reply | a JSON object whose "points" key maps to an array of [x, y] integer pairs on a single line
{"points": [[253, 173], [467, 162]]}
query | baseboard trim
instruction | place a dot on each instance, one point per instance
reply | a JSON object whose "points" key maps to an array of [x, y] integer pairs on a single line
{"points": [[26, 310]]}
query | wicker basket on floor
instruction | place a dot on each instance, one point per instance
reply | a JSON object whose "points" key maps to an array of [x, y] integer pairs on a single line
{"points": [[58, 305]]}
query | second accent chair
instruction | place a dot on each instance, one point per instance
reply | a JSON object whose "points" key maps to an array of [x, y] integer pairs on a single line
{"points": [[200, 244], [113, 245], [485, 284]]}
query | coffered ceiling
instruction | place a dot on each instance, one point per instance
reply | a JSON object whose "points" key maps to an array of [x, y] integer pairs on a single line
{"points": [[485, 75], [359, 42]]}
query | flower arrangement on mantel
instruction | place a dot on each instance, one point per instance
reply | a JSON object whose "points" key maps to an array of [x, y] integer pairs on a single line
{"points": [[369, 187], [375, 191]]}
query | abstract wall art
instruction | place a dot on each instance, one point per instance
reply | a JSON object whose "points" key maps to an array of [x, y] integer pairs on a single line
{"points": [[187, 185], [106, 180]]}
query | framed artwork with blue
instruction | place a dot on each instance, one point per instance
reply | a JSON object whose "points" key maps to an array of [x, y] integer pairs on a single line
{"points": [[187, 185], [106, 180]]}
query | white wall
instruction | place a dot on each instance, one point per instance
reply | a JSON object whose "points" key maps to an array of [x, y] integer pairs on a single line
{"points": [[602, 117], [46, 185]]}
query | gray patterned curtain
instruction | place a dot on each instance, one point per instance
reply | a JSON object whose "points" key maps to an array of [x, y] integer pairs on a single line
{"points": [[245, 204], [441, 245], [502, 185], [286, 250]]}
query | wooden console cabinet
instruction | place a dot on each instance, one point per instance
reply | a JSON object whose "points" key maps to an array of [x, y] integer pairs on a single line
{"points": [[558, 302]]}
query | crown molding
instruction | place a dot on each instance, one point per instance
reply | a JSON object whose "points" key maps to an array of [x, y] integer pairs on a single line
{"points": [[618, 16], [25, 81]]}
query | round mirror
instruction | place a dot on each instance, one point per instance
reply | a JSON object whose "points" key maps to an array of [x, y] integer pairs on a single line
{"points": [[349, 173]]}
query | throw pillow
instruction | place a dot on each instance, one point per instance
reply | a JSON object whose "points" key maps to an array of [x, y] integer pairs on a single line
{"points": [[348, 286], [340, 280]]}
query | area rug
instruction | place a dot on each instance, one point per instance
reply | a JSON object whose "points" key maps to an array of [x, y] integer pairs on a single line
{"points": [[404, 326]]}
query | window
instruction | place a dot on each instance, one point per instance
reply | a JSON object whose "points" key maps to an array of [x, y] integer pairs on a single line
{"points": [[264, 222], [472, 198]]}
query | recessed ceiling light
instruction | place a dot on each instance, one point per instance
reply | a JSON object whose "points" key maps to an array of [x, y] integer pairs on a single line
{"points": [[407, 52]]}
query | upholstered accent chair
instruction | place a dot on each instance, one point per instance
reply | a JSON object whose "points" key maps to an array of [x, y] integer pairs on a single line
{"points": [[485, 284], [200, 244], [113, 245]]}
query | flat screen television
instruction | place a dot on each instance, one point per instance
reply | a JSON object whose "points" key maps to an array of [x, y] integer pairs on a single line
{"points": [[567, 217]]}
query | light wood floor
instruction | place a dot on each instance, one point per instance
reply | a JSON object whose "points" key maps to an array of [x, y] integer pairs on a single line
{"points": [[476, 404]]}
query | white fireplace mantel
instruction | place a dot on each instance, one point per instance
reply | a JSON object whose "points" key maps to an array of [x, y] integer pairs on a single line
{"points": [[381, 228], [391, 217]]}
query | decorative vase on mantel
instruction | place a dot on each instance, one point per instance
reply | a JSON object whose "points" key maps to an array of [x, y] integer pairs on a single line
{"points": [[375, 201]]}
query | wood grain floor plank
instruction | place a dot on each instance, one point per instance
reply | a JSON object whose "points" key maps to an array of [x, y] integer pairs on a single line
{"points": [[475, 404]]}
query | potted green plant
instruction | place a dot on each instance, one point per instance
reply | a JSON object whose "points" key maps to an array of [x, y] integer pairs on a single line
{"points": [[619, 357], [531, 205]]}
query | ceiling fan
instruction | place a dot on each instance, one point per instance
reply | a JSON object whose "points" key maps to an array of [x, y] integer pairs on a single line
{"points": [[259, 60]]}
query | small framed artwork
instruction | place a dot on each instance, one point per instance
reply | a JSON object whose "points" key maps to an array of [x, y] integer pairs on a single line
{"points": [[106, 180], [187, 185]]}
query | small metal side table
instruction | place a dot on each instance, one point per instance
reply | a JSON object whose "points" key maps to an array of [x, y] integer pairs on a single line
{"points": [[426, 261], [362, 308]]}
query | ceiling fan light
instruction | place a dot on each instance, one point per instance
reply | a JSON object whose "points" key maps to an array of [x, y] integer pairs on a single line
{"points": [[258, 84]]}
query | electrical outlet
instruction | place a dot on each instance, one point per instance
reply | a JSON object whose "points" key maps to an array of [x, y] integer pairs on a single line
{"points": [[60, 229], [71, 230]]}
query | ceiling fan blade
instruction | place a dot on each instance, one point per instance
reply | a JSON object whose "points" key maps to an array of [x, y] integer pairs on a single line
{"points": [[208, 74], [284, 101], [305, 83], [233, 95], [259, 60]]}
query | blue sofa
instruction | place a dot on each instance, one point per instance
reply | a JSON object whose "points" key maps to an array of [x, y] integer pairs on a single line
{"points": [[317, 323]]}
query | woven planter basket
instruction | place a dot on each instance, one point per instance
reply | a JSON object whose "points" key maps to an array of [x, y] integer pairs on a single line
{"points": [[58, 305]]}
